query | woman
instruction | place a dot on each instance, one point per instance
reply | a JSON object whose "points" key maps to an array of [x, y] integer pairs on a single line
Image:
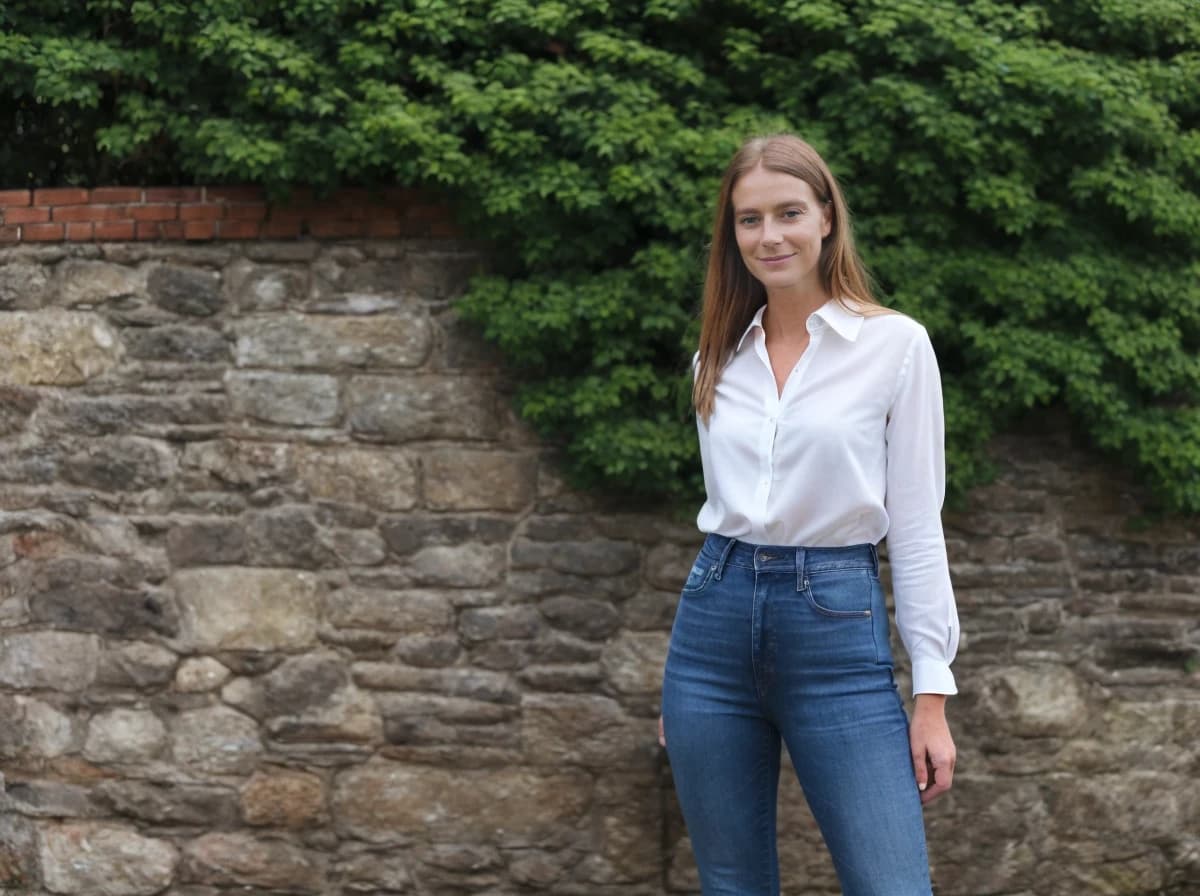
{"points": [[821, 432]]}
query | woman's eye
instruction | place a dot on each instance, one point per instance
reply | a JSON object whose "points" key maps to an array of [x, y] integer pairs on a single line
{"points": [[792, 213], [748, 220]]}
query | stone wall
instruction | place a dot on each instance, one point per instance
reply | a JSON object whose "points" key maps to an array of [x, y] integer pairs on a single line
{"points": [[290, 603]]}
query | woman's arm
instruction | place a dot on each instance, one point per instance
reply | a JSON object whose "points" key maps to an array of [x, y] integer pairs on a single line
{"points": [[926, 614]]}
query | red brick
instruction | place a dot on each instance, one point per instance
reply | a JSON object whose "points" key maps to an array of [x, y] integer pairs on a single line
{"points": [[79, 231], [14, 197], [288, 227], [363, 211], [246, 212], [116, 194], [402, 195], [171, 230], [352, 196], [426, 212], [386, 229], [114, 230], [41, 232], [444, 230], [146, 230], [26, 215], [204, 211], [233, 194], [153, 213], [10, 234], [91, 213], [239, 230], [174, 194], [380, 211], [300, 194], [336, 228], [199, 230], [62, 196]]}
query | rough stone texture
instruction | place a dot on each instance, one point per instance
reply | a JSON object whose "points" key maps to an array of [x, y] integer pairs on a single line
{"points": [[201, 674], [82, 282], [283, 798], [381, 480], [48, 659], [289, 399], [400, 339], [120, 464], [34, 729], [19, 870], [169, 803], [247, 609], [22, 286], [56, 348], [102, 860], [289, 604], [393, 802], [135, 665], [243, 860], [422, 407], [479, 480], [185, 289], [124, 735], [218, 740]]}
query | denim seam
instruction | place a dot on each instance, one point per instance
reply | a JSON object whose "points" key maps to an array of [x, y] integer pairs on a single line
{"points": [[720, 567], [767, 803], [756, 634]]}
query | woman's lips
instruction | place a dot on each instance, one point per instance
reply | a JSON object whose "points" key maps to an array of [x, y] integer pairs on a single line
{"points": [[775, 259]]}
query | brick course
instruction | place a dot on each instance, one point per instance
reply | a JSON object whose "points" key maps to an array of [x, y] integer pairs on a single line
{"points": [[70, 214]]}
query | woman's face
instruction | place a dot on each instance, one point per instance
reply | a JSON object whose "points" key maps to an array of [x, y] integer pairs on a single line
{"points": [[779, 224]]}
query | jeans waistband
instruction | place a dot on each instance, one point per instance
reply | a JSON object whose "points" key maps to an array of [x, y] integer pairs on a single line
{"points": [[724, 551]]}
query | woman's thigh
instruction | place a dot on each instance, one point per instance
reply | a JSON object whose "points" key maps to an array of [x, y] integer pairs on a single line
{"points": [[834, 700], [724, 753]]}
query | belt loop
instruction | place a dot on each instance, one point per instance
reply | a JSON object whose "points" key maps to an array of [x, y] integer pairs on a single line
{"points": [[875, 560], [801, 578], [724, 556]]}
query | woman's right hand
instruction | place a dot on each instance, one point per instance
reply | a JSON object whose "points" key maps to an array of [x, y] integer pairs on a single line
{"points": [[662, 738]]}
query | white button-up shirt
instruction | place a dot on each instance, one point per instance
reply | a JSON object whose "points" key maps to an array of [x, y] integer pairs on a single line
{"points": [[851, 452]]}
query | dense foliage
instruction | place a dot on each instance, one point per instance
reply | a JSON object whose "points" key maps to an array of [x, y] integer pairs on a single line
{"points": [[1025, 176]]}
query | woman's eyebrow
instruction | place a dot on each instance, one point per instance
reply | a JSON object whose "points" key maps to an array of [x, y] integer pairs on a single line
{"points": [[778, 205]]}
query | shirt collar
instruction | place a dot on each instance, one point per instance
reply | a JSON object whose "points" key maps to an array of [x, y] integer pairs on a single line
{"points": [[755, 322], [833, 313]]}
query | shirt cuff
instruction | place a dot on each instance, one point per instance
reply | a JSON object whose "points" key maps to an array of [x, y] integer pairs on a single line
{"points": [[932, 676]]}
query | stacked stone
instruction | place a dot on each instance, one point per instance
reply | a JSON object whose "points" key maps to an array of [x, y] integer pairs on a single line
{"points": [[290, 603], [260, 626]]}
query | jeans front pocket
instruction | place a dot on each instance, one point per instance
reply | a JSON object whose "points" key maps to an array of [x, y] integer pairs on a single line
{"points": [[844, 594], [701, 574], [847, 618]]}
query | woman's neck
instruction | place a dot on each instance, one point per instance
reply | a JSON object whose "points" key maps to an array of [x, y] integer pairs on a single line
{"points": [[787, 315]]}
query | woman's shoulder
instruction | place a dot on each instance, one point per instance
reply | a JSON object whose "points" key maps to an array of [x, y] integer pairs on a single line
{"points": [[890, 325]]}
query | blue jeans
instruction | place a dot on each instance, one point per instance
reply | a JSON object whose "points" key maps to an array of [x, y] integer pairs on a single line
{"points": [[772, 642]]}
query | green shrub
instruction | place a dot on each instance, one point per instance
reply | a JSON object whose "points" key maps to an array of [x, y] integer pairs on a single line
{"points": [[1025, 177]]}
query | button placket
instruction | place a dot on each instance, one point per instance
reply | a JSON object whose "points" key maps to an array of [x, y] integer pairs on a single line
{"points": [[766, 449]]}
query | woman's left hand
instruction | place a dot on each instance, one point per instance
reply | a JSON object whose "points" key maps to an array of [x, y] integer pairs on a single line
{"points": [[933, 751]]}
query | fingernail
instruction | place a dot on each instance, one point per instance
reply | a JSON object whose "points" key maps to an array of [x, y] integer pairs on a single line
{"points": [[920, 787]]}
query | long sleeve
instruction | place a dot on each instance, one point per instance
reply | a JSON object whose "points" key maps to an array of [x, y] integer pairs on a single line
{"points": [[926, 614]]}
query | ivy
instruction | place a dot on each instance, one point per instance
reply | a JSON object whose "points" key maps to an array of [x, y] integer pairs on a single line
{"points": [[1025, 179]]}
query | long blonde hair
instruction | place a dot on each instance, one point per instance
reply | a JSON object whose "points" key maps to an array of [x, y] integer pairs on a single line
{"points": [[731, 293]]}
